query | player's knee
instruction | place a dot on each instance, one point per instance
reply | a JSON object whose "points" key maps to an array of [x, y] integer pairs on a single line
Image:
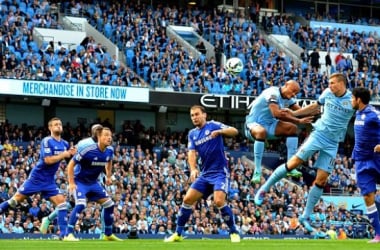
{"points": [[12, 203], [108, 203], [219, 202], [291, 130], [259, 133]]}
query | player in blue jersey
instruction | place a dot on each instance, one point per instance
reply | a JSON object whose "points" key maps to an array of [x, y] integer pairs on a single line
{"points": [[269, 117], [327, 132], [206, 142], [42, 177], [45, 222], [83, 171], [366, 153]]}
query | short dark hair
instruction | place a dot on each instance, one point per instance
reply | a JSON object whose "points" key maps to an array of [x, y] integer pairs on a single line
{"points": [[363, 93], [203, 110]]}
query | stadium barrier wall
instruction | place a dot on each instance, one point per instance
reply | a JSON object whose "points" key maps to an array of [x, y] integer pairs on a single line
{"points": [[29, 236]]}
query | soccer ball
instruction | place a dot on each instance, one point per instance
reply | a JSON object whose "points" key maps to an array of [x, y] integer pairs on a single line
{"points": [[234, 66]]}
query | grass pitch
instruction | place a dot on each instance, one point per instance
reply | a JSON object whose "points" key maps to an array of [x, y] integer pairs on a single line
{"points": [[189, 244]]}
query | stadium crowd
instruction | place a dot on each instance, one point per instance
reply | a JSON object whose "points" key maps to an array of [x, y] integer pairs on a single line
{"points": [[150, 168]]}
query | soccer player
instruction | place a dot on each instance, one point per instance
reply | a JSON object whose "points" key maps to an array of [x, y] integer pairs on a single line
{"points": [[45, 222], [42, 177], [366, 153], [83, 171], [206, 141], [270, 117], [328, 131]]}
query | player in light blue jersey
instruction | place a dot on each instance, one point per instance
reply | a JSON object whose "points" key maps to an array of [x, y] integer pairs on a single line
{"points": [[269, 117], [42, 177], [95, 129], [83, 171], [366, 153], [328, 131], [206, 142]]}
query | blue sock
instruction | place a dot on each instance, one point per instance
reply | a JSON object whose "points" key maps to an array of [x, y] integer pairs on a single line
{"points": [[183, 217], [258, 151], [54, 214], [229, 218], [373, 216], [279, 173], [291, 145], [108, 219], [314, 196], [102, 222], [62, 219], [74, 217], [4, 206]]}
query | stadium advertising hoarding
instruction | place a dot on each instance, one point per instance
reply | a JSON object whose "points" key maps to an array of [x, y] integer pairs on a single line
{"points": [[73, 91], [211, 101]]}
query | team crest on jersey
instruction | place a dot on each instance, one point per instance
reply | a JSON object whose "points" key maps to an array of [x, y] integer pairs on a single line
{"points": [[346, 103], [362, 116], [207, 132]]}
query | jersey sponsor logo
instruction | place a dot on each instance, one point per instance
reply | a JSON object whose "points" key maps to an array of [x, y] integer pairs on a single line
{"points": [[359, 123], [203, 140], [335, 108]]}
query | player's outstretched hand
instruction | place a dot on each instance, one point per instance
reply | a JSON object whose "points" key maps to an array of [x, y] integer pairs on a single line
{"points": [[307, 120]]}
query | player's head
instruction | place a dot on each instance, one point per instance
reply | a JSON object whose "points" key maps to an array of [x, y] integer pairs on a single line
{"points": [[198, 115], [337, 84], [105, 137], [360, 97], [55, 126], [95, 130], [290, 89]]}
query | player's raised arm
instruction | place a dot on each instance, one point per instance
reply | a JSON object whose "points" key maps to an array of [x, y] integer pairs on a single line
{"points": [[287, 115], [311, 109], [227, 131]]}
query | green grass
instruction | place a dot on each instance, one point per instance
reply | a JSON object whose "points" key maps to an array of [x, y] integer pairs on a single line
{"points": [[190, 244]]}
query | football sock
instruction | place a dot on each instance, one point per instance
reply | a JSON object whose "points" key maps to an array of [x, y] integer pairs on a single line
{"points": [[258, 151], [4, 206], [184, 215], [314, 195], [54, 214], [62, 219], [74, 217], [108, 216], [373, 216], [228, 217], [279, 173]]}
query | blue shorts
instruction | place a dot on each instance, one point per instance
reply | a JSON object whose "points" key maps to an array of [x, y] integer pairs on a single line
{"points": [[327, 151], [31, 187], [91, 191], [270, 128], [208, 184], [367, 175]]}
